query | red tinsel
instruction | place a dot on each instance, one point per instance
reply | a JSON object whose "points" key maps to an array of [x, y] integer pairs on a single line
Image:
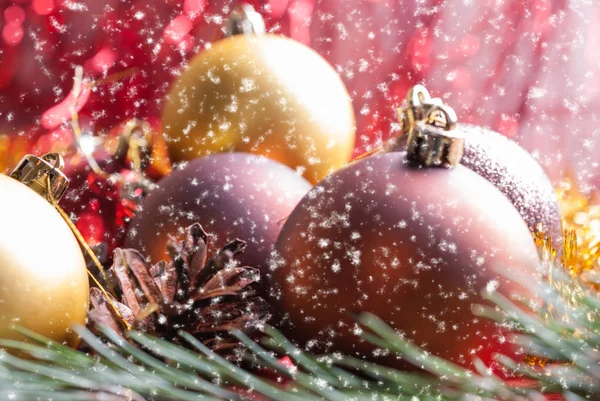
{"points": [[525, 68]]}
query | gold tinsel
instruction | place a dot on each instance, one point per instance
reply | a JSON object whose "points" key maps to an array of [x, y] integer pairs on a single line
{"points": [[581, 228], [580, 254]]}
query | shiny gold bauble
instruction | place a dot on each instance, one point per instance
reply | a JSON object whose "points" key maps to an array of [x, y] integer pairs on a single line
{"points": [[262, 94], [43, 280]]}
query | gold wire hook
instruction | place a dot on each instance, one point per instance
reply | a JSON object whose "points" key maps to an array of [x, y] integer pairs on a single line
{"points": [[90, 253]]}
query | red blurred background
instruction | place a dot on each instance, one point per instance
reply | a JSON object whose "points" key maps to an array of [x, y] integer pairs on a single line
{"points": [[527, 68]]}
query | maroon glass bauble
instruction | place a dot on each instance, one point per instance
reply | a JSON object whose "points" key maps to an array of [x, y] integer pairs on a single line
{"points": [[515, 173], [415, 246], [232, 195]]}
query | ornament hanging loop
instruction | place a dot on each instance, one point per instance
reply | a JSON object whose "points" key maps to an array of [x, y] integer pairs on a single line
{"points": [[418, 105], [433, 141], [42, 174], [244, 20], [441, 116]]}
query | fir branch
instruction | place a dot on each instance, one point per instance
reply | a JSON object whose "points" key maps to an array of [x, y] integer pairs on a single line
{"points": [[147, 368]]}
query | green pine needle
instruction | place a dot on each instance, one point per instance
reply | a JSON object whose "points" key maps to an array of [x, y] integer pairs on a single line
{"points": [[147, 368]]}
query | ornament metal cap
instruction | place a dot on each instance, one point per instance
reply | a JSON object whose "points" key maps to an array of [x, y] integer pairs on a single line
{"points": [[34, 171], [244, 20], [433, 142], [417, 107]]}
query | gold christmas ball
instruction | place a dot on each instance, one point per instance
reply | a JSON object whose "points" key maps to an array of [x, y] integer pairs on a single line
{"points": [[43, 279], [262, 94]]}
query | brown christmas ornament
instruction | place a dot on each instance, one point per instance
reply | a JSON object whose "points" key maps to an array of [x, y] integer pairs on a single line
{"points": [[235, 195], [206, 298], [263, 94], [414, 245], [43, 278], [501, 161]]}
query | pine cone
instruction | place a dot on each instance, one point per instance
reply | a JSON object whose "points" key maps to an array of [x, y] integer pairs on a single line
{"points": [[203, 298]]}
